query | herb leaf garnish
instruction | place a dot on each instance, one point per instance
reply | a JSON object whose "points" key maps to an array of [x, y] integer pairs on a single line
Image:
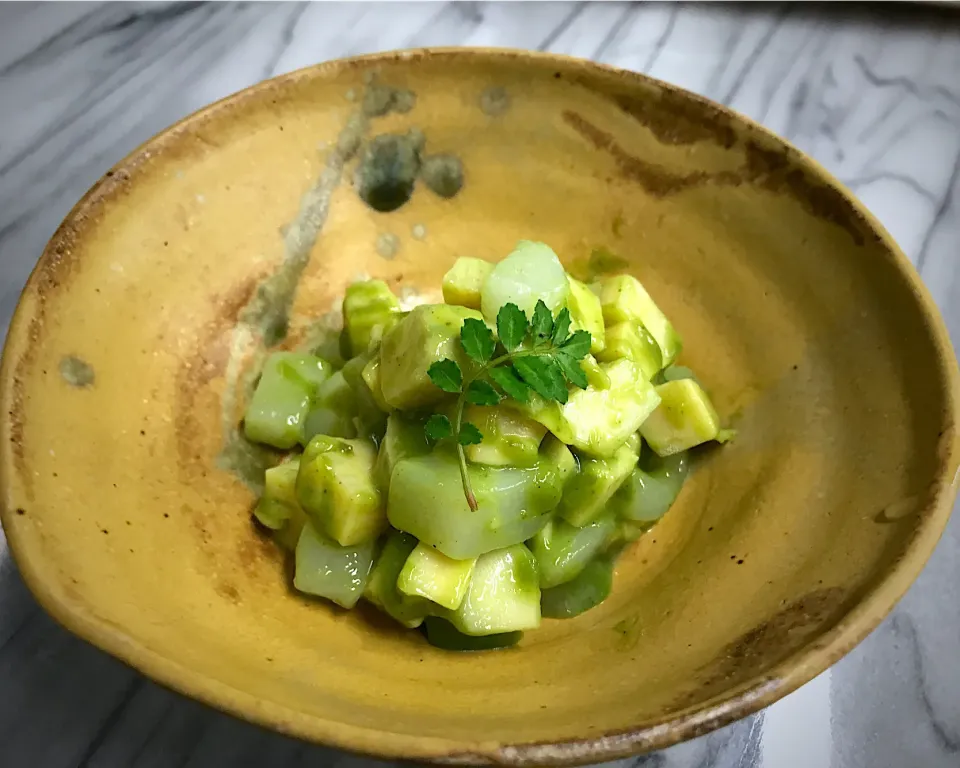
{"points": [[539, 356]]}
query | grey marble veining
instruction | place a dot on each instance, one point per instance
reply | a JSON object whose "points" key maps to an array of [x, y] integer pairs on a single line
{"points": [[872, 93]]}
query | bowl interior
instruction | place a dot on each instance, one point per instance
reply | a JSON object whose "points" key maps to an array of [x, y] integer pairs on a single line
{"points": [[125, 365]]}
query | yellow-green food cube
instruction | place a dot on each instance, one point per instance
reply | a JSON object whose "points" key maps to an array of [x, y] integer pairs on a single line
{"points": [[336, 488], [371, 375], [596, 376], [684, 418], [586, 314], [588, 492], [631, 340], [427, 334], [381, 588], [503, 595], [463, 282], [432, 575], [369, 310], [598, 421], [509, 437], [624, 298]]}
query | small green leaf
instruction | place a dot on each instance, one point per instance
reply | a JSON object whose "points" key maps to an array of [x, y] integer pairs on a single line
{"points": [[482, 393], [543, 375], [542, 321], [562, 326], [437, 427], [511, 326], [577, 346], [446, 375], [469, 434], [559, 382], [511, 383], [477, 340], [572, 370]]}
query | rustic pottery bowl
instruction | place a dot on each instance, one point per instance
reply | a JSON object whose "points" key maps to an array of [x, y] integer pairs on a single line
{"points": [[124, 368]]}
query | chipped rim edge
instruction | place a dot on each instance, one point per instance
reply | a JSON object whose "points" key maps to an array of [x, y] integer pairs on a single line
{"points": [[781, 679]]}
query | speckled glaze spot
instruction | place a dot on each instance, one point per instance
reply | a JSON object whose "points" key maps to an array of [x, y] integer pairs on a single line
{"points": [[76, 372], [387, 245], [494, 101], [419, 232], [388, 170], [380, 100], [443, 174]]}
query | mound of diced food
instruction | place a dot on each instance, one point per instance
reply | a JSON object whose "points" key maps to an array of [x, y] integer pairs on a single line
{"points": [[479, 464]]}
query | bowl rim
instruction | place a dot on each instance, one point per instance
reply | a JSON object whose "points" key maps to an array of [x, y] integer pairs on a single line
{"points": [[784, 677]]}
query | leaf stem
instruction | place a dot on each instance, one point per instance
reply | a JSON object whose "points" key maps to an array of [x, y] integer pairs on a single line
{"points": [[461, 403], [462, 458]]}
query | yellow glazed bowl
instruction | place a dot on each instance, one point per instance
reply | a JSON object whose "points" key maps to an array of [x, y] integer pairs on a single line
{"points": [[140, 325]]}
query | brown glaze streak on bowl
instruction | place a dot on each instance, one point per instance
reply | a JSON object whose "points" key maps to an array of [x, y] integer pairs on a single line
{"points": [[814, 334]]}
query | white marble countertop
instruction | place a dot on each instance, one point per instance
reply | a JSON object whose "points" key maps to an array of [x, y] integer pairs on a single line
{"points": [[873, 93]]}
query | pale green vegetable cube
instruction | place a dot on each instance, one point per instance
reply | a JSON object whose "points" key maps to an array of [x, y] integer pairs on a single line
{"points": [[434, 576], [288, 536], [596, 376], [371, 420], [279, 498], [404, 437], [283, 397], [590, 588], [271, 513], [427, 334], [330, 422], [651, 488], [509, 437], [334, 411], [278, 508], [630, 530], [310, 368], [369, 310], [337, 394], [464, 280], [624, 298], [555, 453], [371, 376], [587, 494], [326, 569], [532, 272], [630, 340], [563, 550], [426, 499], [599, 421], [684, 418], [336, 489], [503, 595], [586, 314], [381, 589]]}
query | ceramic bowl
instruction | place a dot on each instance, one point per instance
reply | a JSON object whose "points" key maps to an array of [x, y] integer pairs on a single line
{"points": [[122, 384]]}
